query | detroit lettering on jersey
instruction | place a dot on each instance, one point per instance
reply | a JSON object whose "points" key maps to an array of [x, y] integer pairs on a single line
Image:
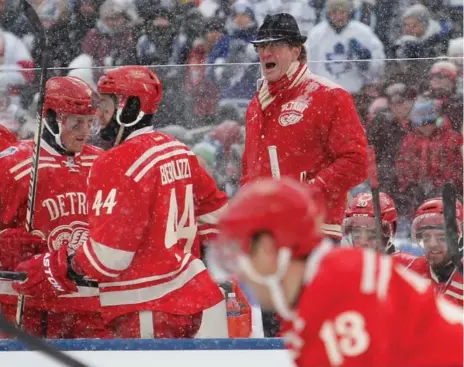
{"points": [[63, 205], [175, 170]]}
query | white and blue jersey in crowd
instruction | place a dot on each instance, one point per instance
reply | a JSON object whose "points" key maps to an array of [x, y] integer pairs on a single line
{"points": [[356, 42]]}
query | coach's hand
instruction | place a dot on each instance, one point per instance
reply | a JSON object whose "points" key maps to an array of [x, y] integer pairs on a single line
{"points": [[17, 245], [46, 275]]}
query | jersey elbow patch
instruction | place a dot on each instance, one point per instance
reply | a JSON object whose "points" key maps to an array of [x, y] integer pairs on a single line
{"points": [[106, 260]]}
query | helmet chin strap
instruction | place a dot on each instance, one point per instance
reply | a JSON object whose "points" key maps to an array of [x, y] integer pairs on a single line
{"points": [[272, 282], [119, 136], [56, 136]]}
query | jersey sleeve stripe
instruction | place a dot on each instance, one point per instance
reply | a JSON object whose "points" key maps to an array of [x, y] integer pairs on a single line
{"points": [[140, 295], [28, 171], [454, 294], [385, 272], [94, 263], [368, 275], [457, 285], [159, 159], [88, 157], [149, 153], [208, 231], [87, 164], [29, 161], [154, 278], [111, 258], [212, 217]]}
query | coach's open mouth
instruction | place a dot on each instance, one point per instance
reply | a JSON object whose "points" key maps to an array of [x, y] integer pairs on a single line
{"points": [[270, 65]]}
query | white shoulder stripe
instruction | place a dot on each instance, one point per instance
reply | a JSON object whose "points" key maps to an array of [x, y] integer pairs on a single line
{"points": [[150, 152], [87, 164], [158, 159], [385, 272], [27, 171], [84, 157], [29, 160], [457, 285], [368, 271], [455, 295]]}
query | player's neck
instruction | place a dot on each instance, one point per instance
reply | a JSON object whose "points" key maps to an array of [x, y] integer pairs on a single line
{"points": [[293, 281]]}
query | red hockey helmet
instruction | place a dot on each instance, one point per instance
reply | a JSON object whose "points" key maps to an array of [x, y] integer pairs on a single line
{"points": [[132, 81], [290, 211], [360, 213], [287, 209], [70, 96], [429, 215]]}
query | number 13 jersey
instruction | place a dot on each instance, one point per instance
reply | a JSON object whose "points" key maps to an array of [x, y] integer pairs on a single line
{"points": [[149, 203], [362, 309]]}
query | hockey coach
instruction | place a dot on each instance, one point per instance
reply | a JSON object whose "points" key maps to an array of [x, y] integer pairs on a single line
{"points": [[311, 121]]}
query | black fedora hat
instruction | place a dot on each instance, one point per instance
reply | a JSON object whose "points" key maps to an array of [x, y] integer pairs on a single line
{"points": [[279, 27]]}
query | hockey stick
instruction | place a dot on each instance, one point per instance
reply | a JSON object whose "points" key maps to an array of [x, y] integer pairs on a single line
{"points": [[18, 276], [274, 159], [453, 241], [34, 343], [34, 20], [373, 180]]}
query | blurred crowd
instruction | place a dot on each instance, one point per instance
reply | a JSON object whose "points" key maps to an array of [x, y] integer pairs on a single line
{"points": [[402, 60]]}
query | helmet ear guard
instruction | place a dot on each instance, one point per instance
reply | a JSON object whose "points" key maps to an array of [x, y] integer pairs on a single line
{"points": [[129, 113]]}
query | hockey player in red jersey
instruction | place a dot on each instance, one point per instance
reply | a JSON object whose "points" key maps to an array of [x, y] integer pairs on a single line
{"points": [[428, 230], [149, 200], [359, 224], [342, 306], [7, 138], [60, 216]]}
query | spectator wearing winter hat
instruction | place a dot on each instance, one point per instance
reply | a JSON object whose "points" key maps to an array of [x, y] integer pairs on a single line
{"points": [[237, 81], [345, 39], [430, 154], [421, 38], [111, 42], [200, 84], [83, 18], [386, 132], [55, 17], [442, 87], [155, 46]]}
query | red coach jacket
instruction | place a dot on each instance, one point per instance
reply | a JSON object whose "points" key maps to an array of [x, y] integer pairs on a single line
{"points": [[319, 138]]}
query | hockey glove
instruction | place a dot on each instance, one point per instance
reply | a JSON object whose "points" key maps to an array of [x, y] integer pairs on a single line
{"points": [[46, 275], [17, 245]]}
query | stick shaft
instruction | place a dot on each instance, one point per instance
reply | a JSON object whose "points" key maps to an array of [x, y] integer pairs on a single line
{"points": [[274, 160], [40, 34]]}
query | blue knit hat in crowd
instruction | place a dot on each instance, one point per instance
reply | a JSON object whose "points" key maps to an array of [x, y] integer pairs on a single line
{"points": [[424, 112]]}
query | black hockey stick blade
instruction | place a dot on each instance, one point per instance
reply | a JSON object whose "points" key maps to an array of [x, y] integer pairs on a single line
{"points": [[451, 226], [18, 276], [33, 343]]}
